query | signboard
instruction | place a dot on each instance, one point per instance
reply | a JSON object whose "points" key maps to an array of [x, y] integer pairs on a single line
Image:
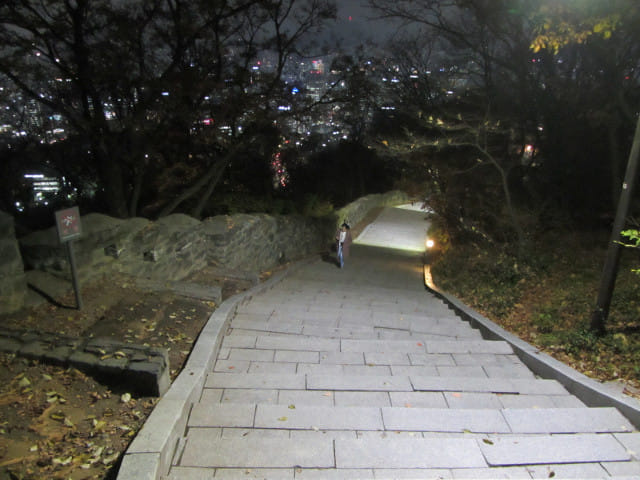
{"points": [[68, 224]]}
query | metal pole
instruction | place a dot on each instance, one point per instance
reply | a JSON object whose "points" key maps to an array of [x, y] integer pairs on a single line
{"points": [[74, 273], [610, 271]]}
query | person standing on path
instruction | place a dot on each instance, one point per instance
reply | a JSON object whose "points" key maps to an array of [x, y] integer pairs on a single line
{"points": [[343, 237]]}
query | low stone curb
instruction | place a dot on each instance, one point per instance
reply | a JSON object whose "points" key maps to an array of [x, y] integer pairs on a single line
{"points": [[142, 369], [588, 390], [150, 454]]}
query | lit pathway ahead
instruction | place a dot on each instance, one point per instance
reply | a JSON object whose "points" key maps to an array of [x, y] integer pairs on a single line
{"points": [[360, 373]]}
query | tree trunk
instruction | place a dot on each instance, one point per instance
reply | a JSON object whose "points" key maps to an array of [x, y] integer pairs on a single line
{"points": [[112, 182], [216, 168], [614, 154], [197, 211], [136, 191]]}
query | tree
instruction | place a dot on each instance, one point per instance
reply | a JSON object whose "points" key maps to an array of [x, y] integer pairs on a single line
{"points": [[561, 106], [575, 24], [136, 79]]}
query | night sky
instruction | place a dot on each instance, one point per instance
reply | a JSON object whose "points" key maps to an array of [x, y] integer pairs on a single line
{"points": [[355, 24]]}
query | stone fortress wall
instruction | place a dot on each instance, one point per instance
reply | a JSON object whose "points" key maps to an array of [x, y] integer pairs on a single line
{"points": [[172, 247]]}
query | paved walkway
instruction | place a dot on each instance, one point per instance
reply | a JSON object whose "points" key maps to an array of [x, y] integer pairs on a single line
{"points": [[360, 373]]}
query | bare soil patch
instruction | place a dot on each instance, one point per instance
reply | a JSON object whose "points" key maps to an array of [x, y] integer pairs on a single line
{"points": [[59, 423]]}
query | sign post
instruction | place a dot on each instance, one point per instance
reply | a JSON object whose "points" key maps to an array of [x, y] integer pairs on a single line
{"points": [[69, 228]]}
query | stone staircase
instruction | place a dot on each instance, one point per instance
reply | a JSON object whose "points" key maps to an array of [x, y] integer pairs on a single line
{"points": [[359, 374]]}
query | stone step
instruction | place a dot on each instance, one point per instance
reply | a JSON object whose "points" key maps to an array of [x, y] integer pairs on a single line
{"points": [[335, 326], [403, 419], [315, 343], [239, 366], [583, 471], [203, 449], [292, 333], [454, 400]]}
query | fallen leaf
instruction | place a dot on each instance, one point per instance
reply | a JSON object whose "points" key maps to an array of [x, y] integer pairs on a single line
{"points": [[292, 407], [487, 441], [282, 419], [62, 461]]}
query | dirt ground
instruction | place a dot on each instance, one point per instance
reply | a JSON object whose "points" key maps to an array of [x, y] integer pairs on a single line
{"points": [[58, 423]]}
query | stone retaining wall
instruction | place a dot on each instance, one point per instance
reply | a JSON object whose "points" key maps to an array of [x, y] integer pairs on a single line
{"points": [[357, 210], [175, 246], [140, 369]]}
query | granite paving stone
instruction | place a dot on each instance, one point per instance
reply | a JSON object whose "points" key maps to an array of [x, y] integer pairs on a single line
{"points": [[539, 401], [412, 474], [417, 399], [496, 473], [464, 371], [261, 433], [382, 346], [359, 382], [631, 441], [255, 380], [566, 420], [366, 399], [251, 354], [488, 385], [212, 395], [305, 397], [367, 370], [415, 370], [431, 359], [622, 468], [486, 359], [323, 434], [575, 470], [239, 341], [408, 453], [320, 369], [272, 368], [293, 356], [472, 400], [531, 450], [222, 415], [191, 473], [323, 418], [470, 346], [268, 326], [335, 474], [202, 451], [231, 366], [445, 420], [300, 343], [242, 395], [510, 371], [392, 358], [342, 358], [255, 473]]}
